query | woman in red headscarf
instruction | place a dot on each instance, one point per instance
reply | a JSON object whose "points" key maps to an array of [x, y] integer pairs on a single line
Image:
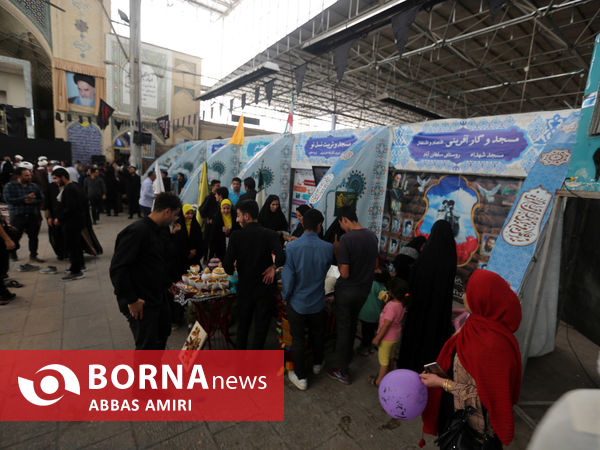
{"points": [[483, 361]]}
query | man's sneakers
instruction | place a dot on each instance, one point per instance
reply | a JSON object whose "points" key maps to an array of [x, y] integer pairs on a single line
{"points": [[299, 383], [6, 299], [83, 269], [36, 260], [339, 375], [49, 270], [27, 268], [73, 276], [317, 369]]}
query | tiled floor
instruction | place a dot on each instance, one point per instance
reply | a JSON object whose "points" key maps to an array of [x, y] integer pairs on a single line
{"points": [[51, 314]]}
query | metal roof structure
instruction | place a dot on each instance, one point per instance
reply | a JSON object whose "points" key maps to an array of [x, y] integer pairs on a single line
{"points": [[220, 7], [457, 61]]}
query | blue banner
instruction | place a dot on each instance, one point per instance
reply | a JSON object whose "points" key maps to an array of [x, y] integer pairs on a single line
{"points": [[469, 145], [363, 169], [189, 161], [506, 145], [328, 147], [516, 244]]}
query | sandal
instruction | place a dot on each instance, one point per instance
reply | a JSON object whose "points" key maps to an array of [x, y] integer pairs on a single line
{"points": [[14, 284], [372, 379]]}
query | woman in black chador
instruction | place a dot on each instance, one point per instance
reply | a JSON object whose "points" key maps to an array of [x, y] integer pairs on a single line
{"points": [[271, 216], [428, 322]]}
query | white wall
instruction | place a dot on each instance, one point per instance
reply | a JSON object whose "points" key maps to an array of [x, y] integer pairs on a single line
{"points": [[14, 85]]}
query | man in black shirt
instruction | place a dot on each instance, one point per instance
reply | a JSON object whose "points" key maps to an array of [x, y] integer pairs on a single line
{"points": [[251, 250], [134, 184], [249, 187], [138, 274], [356, 254], [55, 230], [72, 212]]}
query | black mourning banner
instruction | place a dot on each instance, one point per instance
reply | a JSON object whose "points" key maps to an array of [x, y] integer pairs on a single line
{"points": [[243, 101], [269, 90], [211, 112], [58, 117], [230, 105], [340, 58], [104, 113], [163, 126], [299, 73], [69, 118], [495, 6], [401, 24], [256, 94]]}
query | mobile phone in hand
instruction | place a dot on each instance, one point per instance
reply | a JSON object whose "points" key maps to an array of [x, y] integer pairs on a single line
{"points": [[435, 369]]}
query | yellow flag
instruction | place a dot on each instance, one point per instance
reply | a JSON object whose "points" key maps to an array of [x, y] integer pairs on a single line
{"points": [[203, 191], [238, 134]]}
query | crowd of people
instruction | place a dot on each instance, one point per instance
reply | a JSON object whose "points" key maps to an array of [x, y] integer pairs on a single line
{"points": [[405, 316]]}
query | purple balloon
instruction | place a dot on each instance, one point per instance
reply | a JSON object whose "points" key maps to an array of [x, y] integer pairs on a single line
{"points": [[402, 394]]}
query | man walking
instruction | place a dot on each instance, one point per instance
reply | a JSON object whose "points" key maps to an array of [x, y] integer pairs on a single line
{"points": [[147, 194], [24, 199], [138, 274], [251, 250], [307, 261], [52, 208], [95, 190], [71, 216], [133, 192], [356, 255]]}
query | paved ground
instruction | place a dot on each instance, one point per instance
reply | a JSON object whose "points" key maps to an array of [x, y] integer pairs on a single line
{"points": [[51, 314]]}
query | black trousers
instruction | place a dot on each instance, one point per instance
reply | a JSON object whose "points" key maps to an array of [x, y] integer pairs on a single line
{"points": [[30, 224], [96, 205], [4, 262], [153, 329], [316, 335], [56, 235], [257, 307], [134, 207], [145, 210], [74, 248], [368, 333], [347, 308]]}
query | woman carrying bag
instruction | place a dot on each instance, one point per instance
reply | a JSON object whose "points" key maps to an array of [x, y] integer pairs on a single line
{"points": [[473, 407]]}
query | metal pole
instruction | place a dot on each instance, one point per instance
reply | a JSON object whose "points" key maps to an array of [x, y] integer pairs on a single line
{"points": [[134, 75]]}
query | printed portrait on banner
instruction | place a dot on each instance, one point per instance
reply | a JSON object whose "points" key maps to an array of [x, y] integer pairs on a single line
{"points": [[475, 206], [81, 89]]}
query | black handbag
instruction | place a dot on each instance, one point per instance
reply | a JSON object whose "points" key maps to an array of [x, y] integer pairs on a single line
{"points": [[458, 435]]}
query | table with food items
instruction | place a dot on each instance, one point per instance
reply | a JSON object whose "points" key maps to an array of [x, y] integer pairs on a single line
{"points": [[212, 293]]}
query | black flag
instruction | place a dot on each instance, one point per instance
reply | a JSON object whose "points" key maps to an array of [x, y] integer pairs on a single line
{"points": [[231, 105], [299, 73], [256, 94], [58, 117], [401, 24], [163, 126], [269, 90], [495, 6], [340, 58], [243, 101]]}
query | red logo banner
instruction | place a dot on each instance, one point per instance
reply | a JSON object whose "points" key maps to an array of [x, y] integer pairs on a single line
{"points": [[110, 385]]}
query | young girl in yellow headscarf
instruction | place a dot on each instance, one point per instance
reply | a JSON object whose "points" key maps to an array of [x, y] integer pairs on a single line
{"points": [[188, 214], [224, 224]]}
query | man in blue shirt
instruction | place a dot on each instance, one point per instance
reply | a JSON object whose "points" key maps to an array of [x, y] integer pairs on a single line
{"points": [[235, 191], [147, 194], [307, 261]]}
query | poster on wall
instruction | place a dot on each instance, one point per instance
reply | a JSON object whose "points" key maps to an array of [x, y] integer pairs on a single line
{"points": [[475, 206], [81, 89], [304, 186]]}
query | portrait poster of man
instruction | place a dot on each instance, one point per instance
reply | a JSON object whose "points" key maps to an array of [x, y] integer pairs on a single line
{"points": [[345, 199], [81, 89]]}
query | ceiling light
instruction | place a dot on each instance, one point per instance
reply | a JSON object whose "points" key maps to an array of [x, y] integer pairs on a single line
{"points": [[408, 107]]}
